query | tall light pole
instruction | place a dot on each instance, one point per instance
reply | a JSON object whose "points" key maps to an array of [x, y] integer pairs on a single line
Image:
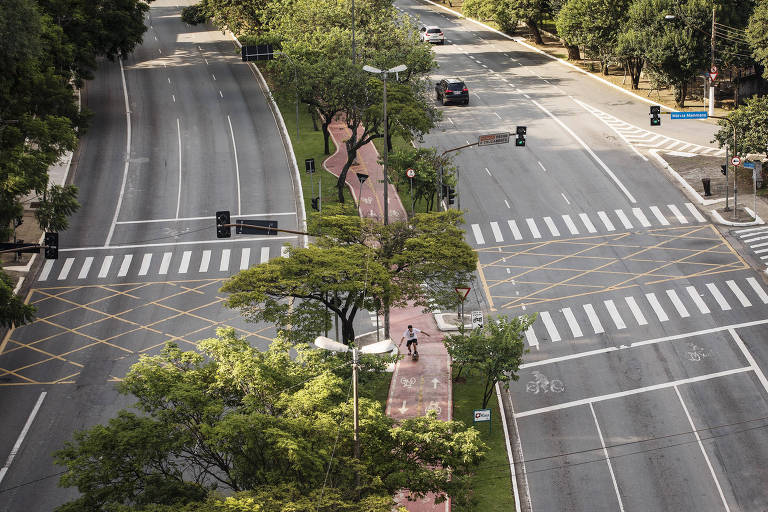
{"points": [[712, 67], [384, 73], [381, 347]]}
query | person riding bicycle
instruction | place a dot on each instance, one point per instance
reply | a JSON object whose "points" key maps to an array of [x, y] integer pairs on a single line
{"points": [[410, 335]]}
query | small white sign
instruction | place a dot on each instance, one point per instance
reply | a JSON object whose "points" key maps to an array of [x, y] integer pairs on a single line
{"points": [[482, 415], [410, 173], [477, 319], [735, 161]]}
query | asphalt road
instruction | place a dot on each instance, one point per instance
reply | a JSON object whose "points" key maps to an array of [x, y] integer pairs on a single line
{"points": [[644, 385]]}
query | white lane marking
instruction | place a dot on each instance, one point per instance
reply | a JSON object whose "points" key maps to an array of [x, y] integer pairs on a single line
{"points": [[237, 167], [551, 225], [125, 265], [527, 97], [224, 265], [173, 97], [703, 451], [672, 294], [695, 212], [209, 217], [245, 258], [654, 302], [105, 266], [478, 234], [542, 166], [605, 168], [489, 172], [571, 226], [588, 223], [611, 307], [184, 266], [284, 252], [623, 218], [718, 297], [497, 115], [550, 325], [607, 458], [639, 317], [641, 217], [566, 199], [593, 319], [678, 214], [127, 155], [749, 358], [532, 226], [46, 270], [496, 232], [635, 391], [606, 221], [178, 198], [165, 263], [264, 255], [506, 203], [573, 325], [22, 434], [531, 337], [214, 76], [221, 94], [515, 230], [169, 80], [65, 269], [205, 261], [738, 293], [697, 299], [86, 268], [657, 213], [145, 262], [451, 120]]}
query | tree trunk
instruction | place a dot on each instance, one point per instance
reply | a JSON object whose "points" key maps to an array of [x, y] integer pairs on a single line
{"points": [[681, 90], [534, 28], [327, 136], [573, 50], [487, 392], [347, 330], [342, 181]]}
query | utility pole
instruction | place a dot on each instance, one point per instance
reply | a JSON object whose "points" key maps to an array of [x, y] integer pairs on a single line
{"points": [[386, 152], [711, 67]]}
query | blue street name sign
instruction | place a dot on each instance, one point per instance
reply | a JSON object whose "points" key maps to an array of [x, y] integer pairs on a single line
{"points": [[749, 165], [699, 114]]}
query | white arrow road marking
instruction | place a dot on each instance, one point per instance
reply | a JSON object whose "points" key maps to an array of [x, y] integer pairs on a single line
{"points": [[435, 382], [403, 408]]}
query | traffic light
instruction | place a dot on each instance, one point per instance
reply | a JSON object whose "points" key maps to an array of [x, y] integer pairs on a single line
{"points": [[51, 243], [655, 115], [451, 194], [316, 203], [223, 230], [520, 140], [724, 169]]}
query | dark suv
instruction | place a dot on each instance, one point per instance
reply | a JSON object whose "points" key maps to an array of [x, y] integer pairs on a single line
{"points": [[452, 90]]}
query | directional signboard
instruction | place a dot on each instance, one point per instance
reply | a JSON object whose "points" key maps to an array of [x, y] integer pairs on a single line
{"points": [[699, 114], [262, 229], [257, 52], [493, 138]]}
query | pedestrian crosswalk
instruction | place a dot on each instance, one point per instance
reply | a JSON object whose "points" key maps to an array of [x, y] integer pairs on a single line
{"points": [[574, 322], [642, 138], [156, 264], [757, 240], [604, 221]]}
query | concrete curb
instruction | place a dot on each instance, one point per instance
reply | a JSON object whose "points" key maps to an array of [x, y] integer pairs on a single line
{"points": [[721, 220], [444, 325]]}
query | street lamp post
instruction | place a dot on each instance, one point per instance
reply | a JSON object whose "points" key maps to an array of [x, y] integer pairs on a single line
{"points": [[384, 73]]}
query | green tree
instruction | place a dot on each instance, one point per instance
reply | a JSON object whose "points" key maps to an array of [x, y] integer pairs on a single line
{"points": [[233, 418], [13, 310], [751, 121], [495, 350], [426, 162], [758, 36], [508, 13]]}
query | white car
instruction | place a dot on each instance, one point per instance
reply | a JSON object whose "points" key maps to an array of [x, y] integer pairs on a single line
{"points": [[432, 34]]}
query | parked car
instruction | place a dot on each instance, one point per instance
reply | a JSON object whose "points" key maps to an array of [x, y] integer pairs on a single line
{"points": [[451, 90], [432, 34]]}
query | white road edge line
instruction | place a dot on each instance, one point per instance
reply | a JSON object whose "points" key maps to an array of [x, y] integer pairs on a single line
{"points": [[178, 198], [607, 458], [237, 167], [749, 358], [127, 154], [510, 457], [22, 435]]}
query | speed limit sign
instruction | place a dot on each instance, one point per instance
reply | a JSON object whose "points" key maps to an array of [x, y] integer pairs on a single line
{"points": [[735, 161], [410, 173]]}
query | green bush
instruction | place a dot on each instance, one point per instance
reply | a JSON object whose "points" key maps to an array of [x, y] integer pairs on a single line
{"points": [[194, 14]]}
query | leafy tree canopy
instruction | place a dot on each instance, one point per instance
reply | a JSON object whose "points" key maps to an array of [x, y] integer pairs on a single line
{"points": [[757, 35], [594, 25], [751, 121]]}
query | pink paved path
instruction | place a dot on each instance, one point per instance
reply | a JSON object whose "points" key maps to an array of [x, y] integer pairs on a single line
{"points": [[419, 386]]}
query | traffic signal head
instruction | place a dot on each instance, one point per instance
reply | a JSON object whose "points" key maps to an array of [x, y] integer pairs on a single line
{"points": [[451, 195], [521, 130], [724, 169], [316, 203], [520, 141], [655, 119], [51, 243], [223, 230]]}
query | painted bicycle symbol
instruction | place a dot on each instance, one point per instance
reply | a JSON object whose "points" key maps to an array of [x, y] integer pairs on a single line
{"points": [[408, 383], [696, 353], [542, 384], [433, 406]]}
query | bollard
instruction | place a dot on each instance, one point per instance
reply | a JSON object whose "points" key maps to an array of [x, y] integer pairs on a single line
{"points": [[705, 182]]}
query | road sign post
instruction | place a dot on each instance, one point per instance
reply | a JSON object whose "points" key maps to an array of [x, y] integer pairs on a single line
{"points": [[309, 166], [462, 291], [411, 173], [361, 178]]}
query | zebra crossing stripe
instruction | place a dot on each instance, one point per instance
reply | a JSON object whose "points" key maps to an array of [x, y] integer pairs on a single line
{"points": [[224, 265], [86, 268], [758, 289], [145, 262], [611, 307], [165, 263], [496, 232], [751, 241], [105, 266], [679, 306], [654, 302], [125, 265], [46, 270], [750, 230], [245, 258], [588, 223], [718, 297], [662, 219], [205, 261], [533, 228], [641, 217], [184, 266], [697, 300], [515, 231], [478, 234], [623, 218], [593, 319], [65, 269], [573, 325], [738, 293], [550, 326], [606, 221], [531, 337], [264, 255], [571, 226], [633, 307], [695, 212], [551, 225], [678, 214]]}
